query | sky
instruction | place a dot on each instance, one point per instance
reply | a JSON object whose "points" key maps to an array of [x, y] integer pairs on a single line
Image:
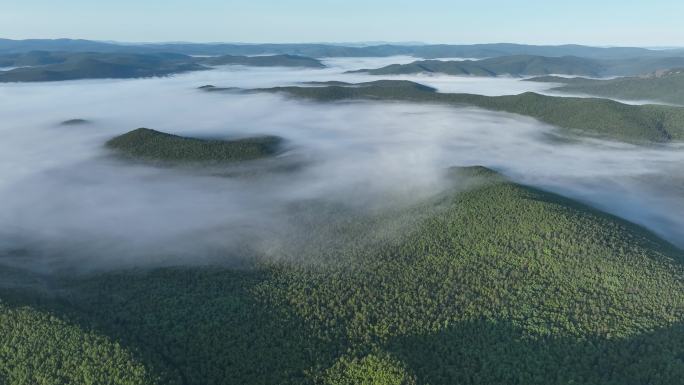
{"points": [[654, 23]]}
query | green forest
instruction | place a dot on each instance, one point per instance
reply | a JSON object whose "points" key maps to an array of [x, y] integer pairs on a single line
{"points": [[664, 86], [517, 65], [331, 213], [588, 116], [490, 282], [155, 146], [48, 66], [533, 65]]}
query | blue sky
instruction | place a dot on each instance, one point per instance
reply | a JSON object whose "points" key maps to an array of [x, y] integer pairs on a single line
{"points": [[598, 22]]}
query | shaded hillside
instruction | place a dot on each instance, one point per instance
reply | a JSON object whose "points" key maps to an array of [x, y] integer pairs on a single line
{"points": [[152, 145], [33, 58], [497, 284], [665, 86], [596, 117]]}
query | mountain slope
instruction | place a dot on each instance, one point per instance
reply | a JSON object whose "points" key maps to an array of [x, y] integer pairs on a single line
{"points": [[638, 65], [36, 66], [665, 86], [37, 347], [74, 66], [497, 283], [528, 65], [521, 65], [596, 117]]}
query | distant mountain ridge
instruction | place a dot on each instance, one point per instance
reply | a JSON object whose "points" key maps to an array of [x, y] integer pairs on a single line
{"points": [[530, 65], [74, 66], [285, 60], [36, 66], [518, 65], [427, 51]]}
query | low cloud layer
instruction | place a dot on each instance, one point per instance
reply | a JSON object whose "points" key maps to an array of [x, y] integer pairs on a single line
{"points": [[66, 201]]}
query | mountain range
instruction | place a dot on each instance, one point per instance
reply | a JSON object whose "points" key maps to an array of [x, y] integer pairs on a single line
{"points": [[426, 51], [529, 65]]}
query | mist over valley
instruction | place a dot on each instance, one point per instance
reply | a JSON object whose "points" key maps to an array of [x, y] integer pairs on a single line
{"points": [[325, 214]]}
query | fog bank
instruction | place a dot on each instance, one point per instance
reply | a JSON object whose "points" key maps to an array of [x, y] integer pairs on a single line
{"points": [[68, 202]]}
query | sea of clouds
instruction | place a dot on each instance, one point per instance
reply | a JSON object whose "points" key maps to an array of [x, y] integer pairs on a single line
{"points": [[67, 202]]}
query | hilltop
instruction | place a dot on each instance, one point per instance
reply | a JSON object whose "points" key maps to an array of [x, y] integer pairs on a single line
{"points": [[151, 145], [494, 284], [589, 116]]}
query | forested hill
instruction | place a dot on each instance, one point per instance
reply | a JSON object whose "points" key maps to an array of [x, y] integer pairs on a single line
{"points": [[529, 65], [497, 283], [521, 65], [38, 66], [662, 86], [588, 116], [46, 66], [155, 146]]}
